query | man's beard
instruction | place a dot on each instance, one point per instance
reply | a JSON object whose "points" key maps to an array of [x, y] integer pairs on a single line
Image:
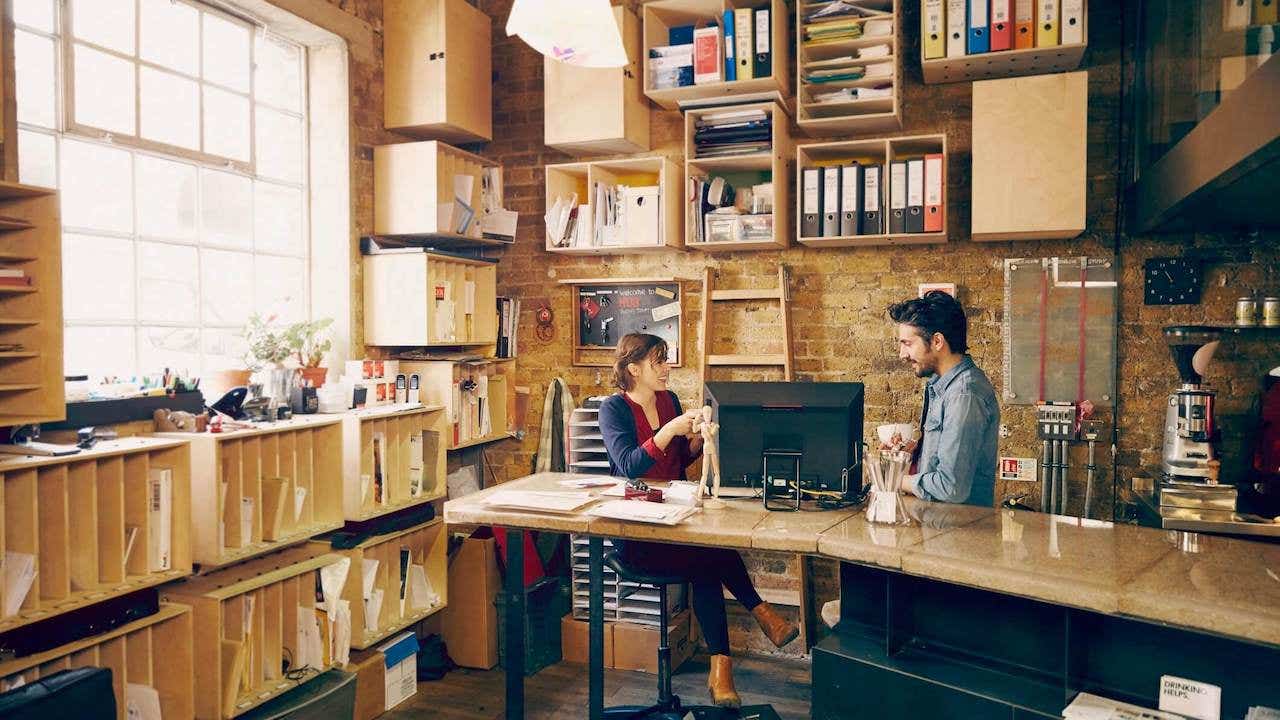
{"points": [[926, 368]]}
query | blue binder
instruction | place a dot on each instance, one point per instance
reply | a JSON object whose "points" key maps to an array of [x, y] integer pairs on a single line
{"points": [[978, 26], [730, 61]]}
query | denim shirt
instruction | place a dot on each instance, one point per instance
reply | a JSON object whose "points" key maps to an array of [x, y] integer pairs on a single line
{"points": [[959, 450]]}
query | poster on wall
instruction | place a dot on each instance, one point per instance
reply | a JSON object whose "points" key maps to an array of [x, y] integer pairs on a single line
{"points": [[607, 310]]}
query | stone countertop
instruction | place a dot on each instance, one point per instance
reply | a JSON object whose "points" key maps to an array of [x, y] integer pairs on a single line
{"points": [[1222, 585]]}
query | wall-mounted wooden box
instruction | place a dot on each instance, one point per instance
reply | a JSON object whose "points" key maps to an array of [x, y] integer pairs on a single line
{"points": [[415, 190], [393, 458], [437, 68], [246, 624], [428, 299], [427, 544], [598, 110], [31, 367], [880, 113], [154, 651], [261, 489], [76, 515], [1008, 63], [881, 152], [660, 16], [568, 179], [454, 382], [742, 172], [1030, 154]]}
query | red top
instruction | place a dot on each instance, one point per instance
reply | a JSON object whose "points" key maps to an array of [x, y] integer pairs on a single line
{"points": [[668, 464]]}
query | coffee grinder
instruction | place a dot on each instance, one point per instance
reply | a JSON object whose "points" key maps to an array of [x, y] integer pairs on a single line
{"points": [[1189, 470]]}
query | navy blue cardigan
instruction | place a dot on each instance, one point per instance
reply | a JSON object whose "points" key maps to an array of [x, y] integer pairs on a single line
{"points": [[628, 457]]}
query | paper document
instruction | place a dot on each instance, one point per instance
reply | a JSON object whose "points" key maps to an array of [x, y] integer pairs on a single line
{"points": [[159, 518], [370, 577], [646, 512], [299, 502], [142, 702], [246, 521], [663, 312], [555, 502], [1087, 706], [372, 610], [19, 573], [590, 482], [421, 595]]}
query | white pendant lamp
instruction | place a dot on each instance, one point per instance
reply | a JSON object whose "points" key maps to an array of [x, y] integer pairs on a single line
{"points": [[575, 32]]}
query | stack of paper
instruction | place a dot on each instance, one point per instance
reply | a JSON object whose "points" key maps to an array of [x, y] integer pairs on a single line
{"points": [[646, 512], [1093, 707], [539, 501]]}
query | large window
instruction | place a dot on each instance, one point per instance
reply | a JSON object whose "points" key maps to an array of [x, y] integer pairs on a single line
{"points": [[177, 136]]}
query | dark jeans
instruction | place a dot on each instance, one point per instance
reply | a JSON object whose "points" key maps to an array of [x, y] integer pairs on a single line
{"points": [[706, 569]]}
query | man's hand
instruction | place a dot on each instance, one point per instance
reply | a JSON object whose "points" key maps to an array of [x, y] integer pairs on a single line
{"points": [[897, 443]]}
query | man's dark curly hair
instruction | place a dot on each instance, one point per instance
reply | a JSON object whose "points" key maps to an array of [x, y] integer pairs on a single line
{"points": [[936, 312]]}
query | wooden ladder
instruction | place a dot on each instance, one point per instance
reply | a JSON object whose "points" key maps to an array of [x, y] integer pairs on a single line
{"points": [[782, 294]]}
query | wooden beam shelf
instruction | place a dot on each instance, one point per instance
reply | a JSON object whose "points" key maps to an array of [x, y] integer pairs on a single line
{"points": [[87, 521], [247, 621], [427, 547], [393, 458], [261, 489], [154, 651]]}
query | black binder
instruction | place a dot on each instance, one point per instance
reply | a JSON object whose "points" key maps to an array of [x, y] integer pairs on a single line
{"points": [[764, 51], [898, 197]]}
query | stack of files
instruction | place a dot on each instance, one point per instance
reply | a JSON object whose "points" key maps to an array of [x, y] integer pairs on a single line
{"points": [[844, 95], [916, 188], [697, 210], [671, 66], [508, 326], [733, 132], [561, 219], [956, 28], [14, 277], [641, 511], [842, 30], [1087, 706], [540, 501], [843, 9]]}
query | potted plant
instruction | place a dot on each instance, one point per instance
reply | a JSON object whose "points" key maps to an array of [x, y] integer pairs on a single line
{"points": [[308, 341], [266, 346]]}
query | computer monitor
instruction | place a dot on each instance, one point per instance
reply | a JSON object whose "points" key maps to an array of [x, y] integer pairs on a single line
{"points": [[818, 423]]}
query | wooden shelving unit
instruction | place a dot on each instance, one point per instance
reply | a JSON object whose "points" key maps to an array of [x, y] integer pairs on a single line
{"points": [[659, 16], [879, 151], [438, 67], [439, 381], [1007, 63], [246, 624], [74, 514], [414, 190], [567, 179], [743, 171], [154, 651], [429, 300], [427, 544], [618, 121], [268, 465], [390, 468], [31, 384], [851, 116]]}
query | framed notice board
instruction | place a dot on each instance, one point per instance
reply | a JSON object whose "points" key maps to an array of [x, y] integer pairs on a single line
{"points": [[605, 309]]}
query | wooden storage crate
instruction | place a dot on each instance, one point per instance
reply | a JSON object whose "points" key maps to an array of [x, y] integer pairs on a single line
{"points": [[246, 619], [423, 300], [414, 191], [31, 368], [155, 651], [861, 115], [1007, 63], [427, 544], [74, 514], [395, 424], [440, 384], [268, 464], [568, 179]]}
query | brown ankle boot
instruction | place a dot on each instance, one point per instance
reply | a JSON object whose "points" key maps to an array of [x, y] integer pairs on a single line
{"points": [[775, 627], [720, 683]]}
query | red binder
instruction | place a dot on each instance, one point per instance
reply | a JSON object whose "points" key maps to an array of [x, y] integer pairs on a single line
{"points": [[1001, 25], [935, 193]]}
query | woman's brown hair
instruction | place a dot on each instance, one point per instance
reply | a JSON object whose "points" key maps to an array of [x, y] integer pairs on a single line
{"points": [[635, 348]]}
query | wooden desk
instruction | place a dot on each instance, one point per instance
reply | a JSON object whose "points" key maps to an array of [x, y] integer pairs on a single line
{"points": [[1177, 592]]}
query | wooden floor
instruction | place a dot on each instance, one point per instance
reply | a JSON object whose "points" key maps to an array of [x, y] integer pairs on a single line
{"points": [[560, 691]]}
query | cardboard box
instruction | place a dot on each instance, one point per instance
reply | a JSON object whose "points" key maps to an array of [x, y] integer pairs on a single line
{"points": [[369, 667], [401, 663], [635, 647], [470, 622], [573, 641]]}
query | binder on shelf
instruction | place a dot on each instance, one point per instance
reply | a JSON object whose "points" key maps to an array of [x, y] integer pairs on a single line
{"points": [[159, 519], [811, 221], [730, 64], [1072, 25], [830, 201], [850, 199], [707, 55], [764, 51], [1001, 25], [933, 30], [978, 40], [1264, 12], [957, 27], [934, 182], [1046, 23], [915, 195], [1024, 24], [743, 34], [897, 197], [872, 217]]}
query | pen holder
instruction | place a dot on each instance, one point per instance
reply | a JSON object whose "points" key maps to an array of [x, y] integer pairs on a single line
{"points": [[884, 502]]}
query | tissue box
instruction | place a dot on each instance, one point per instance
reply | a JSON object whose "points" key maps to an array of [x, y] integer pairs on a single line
{"points": [[401, 654]]}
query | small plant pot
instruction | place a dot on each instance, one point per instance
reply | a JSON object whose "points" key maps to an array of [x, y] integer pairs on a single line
{"points": [[315, 376]]}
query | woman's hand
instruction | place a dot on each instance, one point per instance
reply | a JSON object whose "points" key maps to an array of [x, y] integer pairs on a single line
{"points": [[684, 424]]}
